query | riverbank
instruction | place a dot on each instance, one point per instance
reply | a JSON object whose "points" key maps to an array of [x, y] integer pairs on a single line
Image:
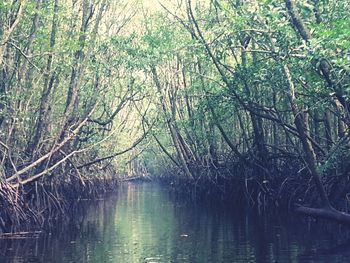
{"points": [[34, 205], [282, 189]]}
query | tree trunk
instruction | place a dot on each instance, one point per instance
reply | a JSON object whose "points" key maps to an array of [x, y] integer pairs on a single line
{"points": [[41, 123], [173, 132], [326, 210], [323, 64]]}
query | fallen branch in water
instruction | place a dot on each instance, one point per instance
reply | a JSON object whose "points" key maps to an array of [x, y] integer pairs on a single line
{"points": [[325, 213]]}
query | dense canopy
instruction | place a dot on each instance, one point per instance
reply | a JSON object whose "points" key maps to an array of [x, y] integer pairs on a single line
{"points": [[245, 99]]}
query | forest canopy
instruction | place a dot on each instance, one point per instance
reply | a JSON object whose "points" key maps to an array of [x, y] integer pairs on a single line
{"points": [[249, 99]]}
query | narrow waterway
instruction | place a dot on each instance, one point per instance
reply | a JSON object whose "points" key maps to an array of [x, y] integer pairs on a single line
{"points": [[144, 223]]}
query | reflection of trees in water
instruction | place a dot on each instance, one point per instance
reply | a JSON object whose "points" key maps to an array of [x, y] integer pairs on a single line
{"points": [[148, 223], [324, 254], [88, 221]]}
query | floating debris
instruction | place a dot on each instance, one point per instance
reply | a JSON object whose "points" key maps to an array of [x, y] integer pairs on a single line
{"points": [[20, 235], [152, 260]]}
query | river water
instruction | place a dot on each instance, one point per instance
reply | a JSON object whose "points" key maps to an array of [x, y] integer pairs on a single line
{"points": [[144, 223]]}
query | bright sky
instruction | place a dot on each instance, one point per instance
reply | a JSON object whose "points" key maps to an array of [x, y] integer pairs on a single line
{"points": [[155, 4]]}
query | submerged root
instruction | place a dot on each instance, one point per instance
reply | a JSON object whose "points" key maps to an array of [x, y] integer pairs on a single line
{"points": [[36, 203], [282, 189]]}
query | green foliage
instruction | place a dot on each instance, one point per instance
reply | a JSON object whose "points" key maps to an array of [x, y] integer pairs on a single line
{"points": [[221, 67]]}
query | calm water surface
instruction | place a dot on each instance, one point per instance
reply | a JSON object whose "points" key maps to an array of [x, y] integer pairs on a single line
{"points": [[144, 223]]}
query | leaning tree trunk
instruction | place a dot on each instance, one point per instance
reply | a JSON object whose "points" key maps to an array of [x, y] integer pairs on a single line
{"points": [[41, 123], [326, 210], [324, 65], [173, 132]]}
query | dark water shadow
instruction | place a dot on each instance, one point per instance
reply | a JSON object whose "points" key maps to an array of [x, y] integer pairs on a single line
{"points": [[147, 223]]}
